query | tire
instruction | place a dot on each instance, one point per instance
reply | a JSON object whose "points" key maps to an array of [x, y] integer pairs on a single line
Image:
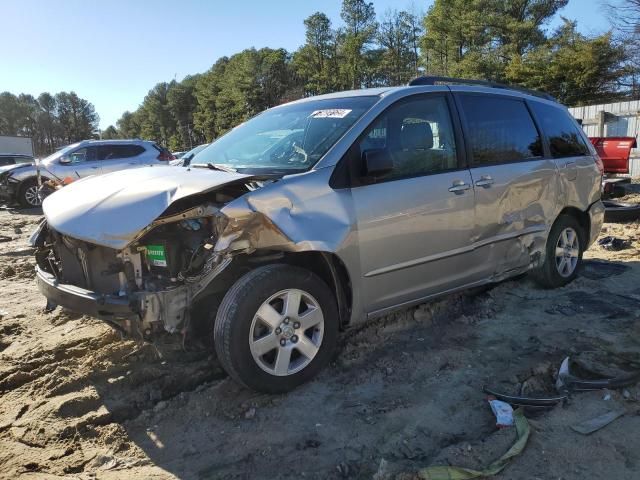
{"points": [[251, 349], [618, 212], [28, 194], [555, 272]]}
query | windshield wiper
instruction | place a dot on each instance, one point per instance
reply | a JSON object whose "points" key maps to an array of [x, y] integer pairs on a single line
{"points": [[217, 166]]}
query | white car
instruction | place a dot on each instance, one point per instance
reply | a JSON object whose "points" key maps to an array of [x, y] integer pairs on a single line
{"points": [[82, 159]]}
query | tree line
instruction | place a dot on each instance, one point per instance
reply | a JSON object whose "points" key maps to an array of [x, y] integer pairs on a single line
{"points": [[500, 40], [50, 120]]}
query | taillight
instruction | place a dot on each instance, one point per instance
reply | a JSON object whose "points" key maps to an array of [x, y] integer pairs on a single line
{"points": [[165, 156]]}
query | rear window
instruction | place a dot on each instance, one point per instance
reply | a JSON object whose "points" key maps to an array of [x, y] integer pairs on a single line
{"points": [[565, 138], [500, 129]]}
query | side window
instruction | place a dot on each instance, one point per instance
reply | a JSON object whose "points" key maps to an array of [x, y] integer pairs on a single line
{"points": [[417, 135], [86, 154], [131, 151], [565, 140], [500, 129], [108, 152]]}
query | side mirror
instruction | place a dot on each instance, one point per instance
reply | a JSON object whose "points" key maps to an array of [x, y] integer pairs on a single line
{"points": [[64, 160], [376, 162]]}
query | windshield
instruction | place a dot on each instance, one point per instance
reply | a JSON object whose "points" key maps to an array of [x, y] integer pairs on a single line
{"points": [[195, 150], [56, 155], [291, 137]]}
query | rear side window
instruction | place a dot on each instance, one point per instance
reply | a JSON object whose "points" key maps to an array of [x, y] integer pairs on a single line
{"points": [[112, 152], [500, 129], [565, 140]]}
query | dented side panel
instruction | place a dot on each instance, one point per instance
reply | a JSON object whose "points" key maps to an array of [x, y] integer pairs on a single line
{"points": [[515, 213], [301, 213]]}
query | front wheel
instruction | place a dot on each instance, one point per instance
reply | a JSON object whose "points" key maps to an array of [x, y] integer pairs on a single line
{"points": [[276, 328], [28, 194], [565, 246]]}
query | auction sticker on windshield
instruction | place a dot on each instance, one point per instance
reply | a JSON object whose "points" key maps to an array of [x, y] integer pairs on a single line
{"points": [[331, 113]]}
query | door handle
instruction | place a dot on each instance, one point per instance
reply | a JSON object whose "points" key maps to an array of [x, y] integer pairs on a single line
{"points": [[570, 165], [95, 168], [459, 187], [485, 181]]}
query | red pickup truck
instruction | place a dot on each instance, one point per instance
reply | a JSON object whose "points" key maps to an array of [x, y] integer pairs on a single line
{"points": [[614, 153]]}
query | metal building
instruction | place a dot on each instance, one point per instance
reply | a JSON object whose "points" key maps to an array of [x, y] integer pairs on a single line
{"points": [[621, 119]]}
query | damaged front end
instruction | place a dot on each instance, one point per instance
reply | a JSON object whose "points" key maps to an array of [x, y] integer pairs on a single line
{"points": [[145, 287], [152, 282]]}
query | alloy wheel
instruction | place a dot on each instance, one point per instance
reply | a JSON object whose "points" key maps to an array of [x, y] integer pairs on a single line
{"points": [[286, 332], [31, 196], [567, 252]]}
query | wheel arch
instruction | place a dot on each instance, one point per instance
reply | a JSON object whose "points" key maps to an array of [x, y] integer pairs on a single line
{"points": [[582, 218], [326, 265], [333, 272]]}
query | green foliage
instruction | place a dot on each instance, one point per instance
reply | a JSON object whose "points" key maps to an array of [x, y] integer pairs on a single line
{"points": [[359, 32], [50, 120], [109, 133], [503, 40], [573, 68]]}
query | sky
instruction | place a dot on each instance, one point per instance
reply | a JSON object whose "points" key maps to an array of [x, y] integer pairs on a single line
{"points": [[113, 52]]}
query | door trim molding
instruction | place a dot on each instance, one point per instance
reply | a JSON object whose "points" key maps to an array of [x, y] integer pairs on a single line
{"points": [[457, 251]]}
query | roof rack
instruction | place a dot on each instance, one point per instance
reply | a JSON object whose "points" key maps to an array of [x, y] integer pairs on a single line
{"points": [[429, 80]]}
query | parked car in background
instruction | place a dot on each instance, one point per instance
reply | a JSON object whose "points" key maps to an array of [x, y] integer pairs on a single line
{"points": [[14, 159], [82, 159], [325, 212], [178, 155], [187, 157]]}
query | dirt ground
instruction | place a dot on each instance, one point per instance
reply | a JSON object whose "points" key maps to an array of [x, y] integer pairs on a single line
{"points": [[405, 392]]}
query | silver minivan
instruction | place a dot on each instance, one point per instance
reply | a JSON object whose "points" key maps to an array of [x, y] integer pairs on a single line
{"points": [[325, 212]]}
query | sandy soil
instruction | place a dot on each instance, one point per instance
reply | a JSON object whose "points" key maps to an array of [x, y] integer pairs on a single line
{"points": [[405, 392]]}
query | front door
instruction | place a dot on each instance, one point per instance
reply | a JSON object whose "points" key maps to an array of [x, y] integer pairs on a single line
{"points": [[415, 222], [78, 164]]}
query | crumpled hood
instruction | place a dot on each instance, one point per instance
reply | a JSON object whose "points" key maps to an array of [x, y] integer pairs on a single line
{"points": [[111, 209]]}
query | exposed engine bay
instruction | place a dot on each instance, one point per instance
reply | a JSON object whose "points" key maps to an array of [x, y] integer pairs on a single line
{"points": [[168, 265]]}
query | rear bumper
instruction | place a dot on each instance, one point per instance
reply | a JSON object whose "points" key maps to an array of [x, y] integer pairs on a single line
{"points": [[596, 218], [115, 310]]}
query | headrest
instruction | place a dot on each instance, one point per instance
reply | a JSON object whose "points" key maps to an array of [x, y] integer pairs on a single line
{"points": [[416, 136]]}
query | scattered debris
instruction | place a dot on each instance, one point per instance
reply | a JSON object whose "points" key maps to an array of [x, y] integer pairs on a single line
{"points": [[589, 426], [459, 473], [614, 243], [518, 401], [502, 411], [579, 385]]}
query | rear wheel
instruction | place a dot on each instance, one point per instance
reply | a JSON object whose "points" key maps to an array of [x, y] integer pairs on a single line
{"points": [[28, 194], [276, 328], [565, 246]]}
